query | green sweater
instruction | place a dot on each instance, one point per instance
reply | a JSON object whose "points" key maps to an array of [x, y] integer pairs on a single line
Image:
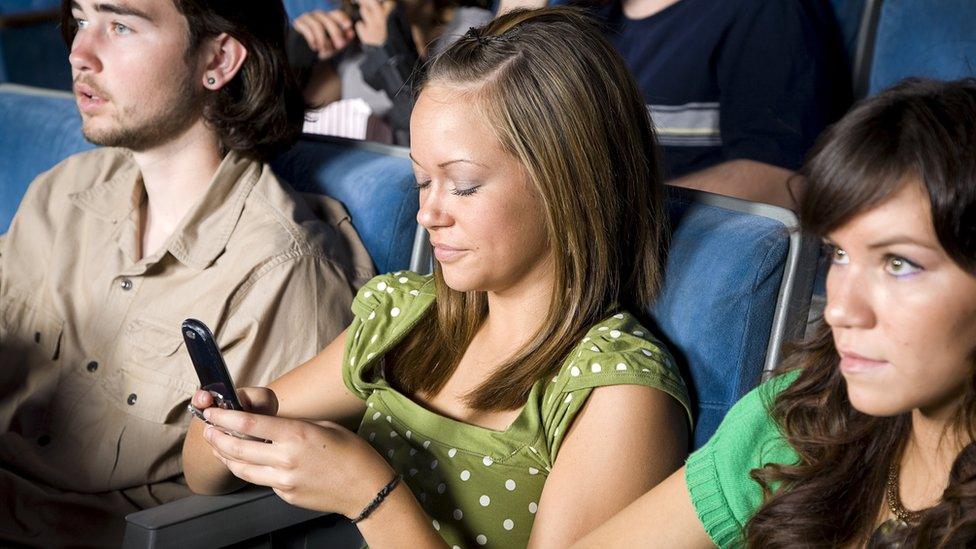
{"points": [[724, 495]]}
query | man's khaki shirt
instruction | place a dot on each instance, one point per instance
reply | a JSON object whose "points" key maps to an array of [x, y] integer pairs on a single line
{"points": [[94, 379]]}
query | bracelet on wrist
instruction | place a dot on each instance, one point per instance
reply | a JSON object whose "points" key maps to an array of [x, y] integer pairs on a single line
{"points": [[380, 496]]}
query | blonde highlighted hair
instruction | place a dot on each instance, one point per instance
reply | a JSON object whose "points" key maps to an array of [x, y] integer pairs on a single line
{"points": [[560, 100]]}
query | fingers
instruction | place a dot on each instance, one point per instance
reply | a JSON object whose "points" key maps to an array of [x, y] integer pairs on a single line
{"points": [[338, 31], [202, 399], [311, 30], [258, 474], [245, 451], [372, 11], [255, 425], [259, 400]]}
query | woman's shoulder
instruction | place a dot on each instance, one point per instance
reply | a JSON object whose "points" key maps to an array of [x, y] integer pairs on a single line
{"points": [[403, 291], [619, 350]]}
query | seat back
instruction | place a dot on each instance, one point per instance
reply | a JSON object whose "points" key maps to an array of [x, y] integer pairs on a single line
{"points": [[903, 38], [374, 182], [848, 16], [31, 50], [738, 284], [38, 129]]}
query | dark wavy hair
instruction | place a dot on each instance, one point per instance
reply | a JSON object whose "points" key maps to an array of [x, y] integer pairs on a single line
{"points": [[260, 112], [920, 128]]}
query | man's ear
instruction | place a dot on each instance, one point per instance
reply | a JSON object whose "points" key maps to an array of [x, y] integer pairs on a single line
{"points": [[225, 58]]}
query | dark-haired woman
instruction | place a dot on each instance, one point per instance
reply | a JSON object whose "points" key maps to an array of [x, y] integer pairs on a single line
{"points": [[866, 437], [514, 392]]}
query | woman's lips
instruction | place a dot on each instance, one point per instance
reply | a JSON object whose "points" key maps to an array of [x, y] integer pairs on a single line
{"points": [[446, 254], [853, 363]]}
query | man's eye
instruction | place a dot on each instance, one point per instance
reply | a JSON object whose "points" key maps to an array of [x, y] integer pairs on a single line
{"points": [[899, 266], [119, 28]]}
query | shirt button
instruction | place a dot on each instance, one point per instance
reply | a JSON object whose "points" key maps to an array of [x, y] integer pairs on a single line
{"points": [[126, 284], [43, 440], [132, 399], [92, 366], [37, 337]]}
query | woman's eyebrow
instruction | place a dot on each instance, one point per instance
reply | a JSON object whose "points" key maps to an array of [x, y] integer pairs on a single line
{"points": [[900, 239]]}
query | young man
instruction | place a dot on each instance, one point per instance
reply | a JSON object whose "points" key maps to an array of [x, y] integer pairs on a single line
{"points": [[176, 216]]}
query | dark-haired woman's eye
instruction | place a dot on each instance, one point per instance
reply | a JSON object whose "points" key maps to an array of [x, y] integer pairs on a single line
{"points": [[836, 255], [900, 266], [422, 184]]}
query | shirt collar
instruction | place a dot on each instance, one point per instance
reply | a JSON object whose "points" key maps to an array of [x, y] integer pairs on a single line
{"points": [[203, 233]]}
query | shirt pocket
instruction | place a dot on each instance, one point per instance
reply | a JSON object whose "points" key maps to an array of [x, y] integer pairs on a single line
{"points": [[29, 330], [157, 378]]}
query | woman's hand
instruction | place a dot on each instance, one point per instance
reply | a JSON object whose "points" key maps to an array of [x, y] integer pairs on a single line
{"points": [[259, 400], [371, 29], [326, 32], [320, 466]]}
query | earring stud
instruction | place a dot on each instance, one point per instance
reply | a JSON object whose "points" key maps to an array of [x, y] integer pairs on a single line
{"points": [[211, 80]]}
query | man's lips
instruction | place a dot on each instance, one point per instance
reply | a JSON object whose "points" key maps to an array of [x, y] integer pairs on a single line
{"points": [[89, 98]]}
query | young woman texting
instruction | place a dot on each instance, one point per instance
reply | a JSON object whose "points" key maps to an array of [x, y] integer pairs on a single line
{"points": [[512, 398], [866, 438]]}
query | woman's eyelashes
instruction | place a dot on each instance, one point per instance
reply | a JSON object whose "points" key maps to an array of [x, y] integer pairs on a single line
{"points": [[900, 267], [464, 190], [895, 265]]}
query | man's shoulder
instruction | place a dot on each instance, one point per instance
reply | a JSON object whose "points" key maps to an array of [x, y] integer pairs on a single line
{"points": [[284, 222], [84, 170]]}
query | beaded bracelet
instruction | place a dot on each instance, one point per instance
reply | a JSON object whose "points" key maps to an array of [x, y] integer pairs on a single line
{"points": [[380, 496]]}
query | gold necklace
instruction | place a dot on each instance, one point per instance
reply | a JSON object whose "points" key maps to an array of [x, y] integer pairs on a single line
{"points": [[894, 499]]}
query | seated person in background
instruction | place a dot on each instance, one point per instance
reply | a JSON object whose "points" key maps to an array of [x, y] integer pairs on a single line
{"points": [[373, 57], [738, 89], [177, 216], [515, 391], [866, 437]]}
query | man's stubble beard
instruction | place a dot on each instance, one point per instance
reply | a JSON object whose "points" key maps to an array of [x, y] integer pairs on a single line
{"points": [[161, 127]]}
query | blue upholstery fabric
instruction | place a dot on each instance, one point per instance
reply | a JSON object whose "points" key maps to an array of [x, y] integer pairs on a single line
{"points": [[298, 7], [935, 39], [716, 308], [22, 6], [377, 190], [38, 131]]}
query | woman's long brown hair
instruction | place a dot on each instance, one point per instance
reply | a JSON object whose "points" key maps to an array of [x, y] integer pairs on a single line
{"points": [[560, 100], [923, 130]]}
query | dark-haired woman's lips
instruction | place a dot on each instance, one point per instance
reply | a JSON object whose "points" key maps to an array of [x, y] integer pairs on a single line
{"points": [[853, 363], [446, 254]]}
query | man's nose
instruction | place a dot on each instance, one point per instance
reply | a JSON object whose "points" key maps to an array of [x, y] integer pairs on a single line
{"points": [[84, 56]]}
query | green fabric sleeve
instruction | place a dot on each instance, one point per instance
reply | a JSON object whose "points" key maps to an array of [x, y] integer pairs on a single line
{"points": [[717, 475], [616, 352], [386, 308]]}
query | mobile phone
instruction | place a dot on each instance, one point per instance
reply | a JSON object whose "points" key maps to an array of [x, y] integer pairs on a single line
{"points": [[212, 371], [209, 364]]}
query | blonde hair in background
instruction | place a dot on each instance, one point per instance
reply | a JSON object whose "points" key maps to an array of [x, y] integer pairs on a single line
{"points": [[560, 99]]}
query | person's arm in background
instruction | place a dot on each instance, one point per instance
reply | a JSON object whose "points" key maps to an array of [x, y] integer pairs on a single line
{"points": [[284, 315], [326, 33], [390, 58], [776, 98]]}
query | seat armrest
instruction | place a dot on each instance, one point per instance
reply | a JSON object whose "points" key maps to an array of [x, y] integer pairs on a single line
{"points": [[213, 521]]}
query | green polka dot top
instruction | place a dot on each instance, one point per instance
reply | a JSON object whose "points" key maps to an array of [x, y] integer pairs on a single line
{"points": [[481, 487]]}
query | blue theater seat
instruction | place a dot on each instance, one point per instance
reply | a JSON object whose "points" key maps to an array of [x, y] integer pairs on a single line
{"points": [[31, 50], [926, 38], [374, 182]]}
